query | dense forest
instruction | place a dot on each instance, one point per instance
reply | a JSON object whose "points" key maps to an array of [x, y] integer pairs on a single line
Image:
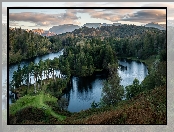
{"points": [[26, 45], [86, 51]]}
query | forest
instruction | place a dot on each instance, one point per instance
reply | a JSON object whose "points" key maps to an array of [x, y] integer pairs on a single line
{"points": [[26, 45], [87, 51]]}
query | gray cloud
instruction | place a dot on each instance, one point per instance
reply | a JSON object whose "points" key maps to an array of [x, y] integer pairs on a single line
{"points": [[134, 15], [42, 19], [170, 7], [146, 16], [104, 14]]}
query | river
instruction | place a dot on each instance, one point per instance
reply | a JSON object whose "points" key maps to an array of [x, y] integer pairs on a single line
{"points": [[84, 91]]}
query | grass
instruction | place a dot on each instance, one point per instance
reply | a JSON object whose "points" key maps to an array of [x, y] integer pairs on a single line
{"points": [[31, 104], [37, 101]]}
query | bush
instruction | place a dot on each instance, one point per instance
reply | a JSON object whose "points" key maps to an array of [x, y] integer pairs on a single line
{"points": [[134, 89]]}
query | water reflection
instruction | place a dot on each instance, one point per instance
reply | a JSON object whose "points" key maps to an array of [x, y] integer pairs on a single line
{"points": [[83, 92], [135, 69], [50, 56]]}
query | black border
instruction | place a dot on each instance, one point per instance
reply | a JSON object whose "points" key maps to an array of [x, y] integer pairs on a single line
{"points": [[8, 123], [8, 8]]}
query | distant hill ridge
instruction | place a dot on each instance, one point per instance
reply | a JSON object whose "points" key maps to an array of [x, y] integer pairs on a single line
{"points": [[64, 28], [71, 27], [156, 25]]}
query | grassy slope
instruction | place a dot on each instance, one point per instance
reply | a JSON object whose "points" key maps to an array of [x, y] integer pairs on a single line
{"points": [[147, 108], [38, 101]]}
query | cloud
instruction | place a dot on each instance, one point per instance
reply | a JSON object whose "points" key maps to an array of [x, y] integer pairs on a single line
{"points": [[70, 16], [42, 19], [134, 15], [170, 7], [101, 14], [146, 16]]}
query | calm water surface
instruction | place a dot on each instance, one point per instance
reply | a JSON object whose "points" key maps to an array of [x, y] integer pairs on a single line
{"points": [[84, 90]]}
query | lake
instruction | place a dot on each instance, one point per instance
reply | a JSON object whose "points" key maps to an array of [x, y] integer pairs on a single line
{"points": [[84, 90]]}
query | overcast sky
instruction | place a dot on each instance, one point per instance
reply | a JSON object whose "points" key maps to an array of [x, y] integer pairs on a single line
{"points": [[46, 18]]}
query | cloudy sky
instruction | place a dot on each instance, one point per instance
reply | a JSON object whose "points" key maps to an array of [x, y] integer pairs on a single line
{"points": [[46, 18]]}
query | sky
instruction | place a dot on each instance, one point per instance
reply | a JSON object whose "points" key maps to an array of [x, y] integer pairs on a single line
{"points": [[46, 18]]}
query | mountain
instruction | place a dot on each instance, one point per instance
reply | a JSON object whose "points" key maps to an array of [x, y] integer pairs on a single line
{"points": [[120, 31], [64, 28], [97, 25], [155, 25]]}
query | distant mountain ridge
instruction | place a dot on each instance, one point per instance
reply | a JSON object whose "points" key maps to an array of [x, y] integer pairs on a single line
{"points": [[70, 27], [120, 31], [63, 28], [155, 25]]}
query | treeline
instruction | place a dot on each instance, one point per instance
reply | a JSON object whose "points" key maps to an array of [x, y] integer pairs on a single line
{"points": [[26, 45], [121, 31], [126, 40], [141, 46]]}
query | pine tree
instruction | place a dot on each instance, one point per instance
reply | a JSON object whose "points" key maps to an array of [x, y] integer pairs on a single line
{"points": [[112, 92]]}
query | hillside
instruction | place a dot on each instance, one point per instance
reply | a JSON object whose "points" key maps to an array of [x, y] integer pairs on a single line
{"points": [[146, 108]]}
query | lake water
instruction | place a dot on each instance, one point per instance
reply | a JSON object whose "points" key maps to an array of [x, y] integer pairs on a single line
{"points": [[84, 91]]}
